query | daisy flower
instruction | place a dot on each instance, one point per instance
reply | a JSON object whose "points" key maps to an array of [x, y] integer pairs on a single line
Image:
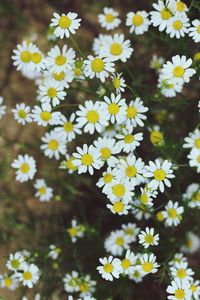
{"points": [[117, 242], [194, 159], [71, 282], [162, 14], [193, 140], [98, 66], [161, 173], [54, 144], [110, 268], [15, 262], [99, 42], [44, 116], [118, 83], [137, 275], [116, 48], [59, 60], [179, 290], [115, 107], [37, 62], [51, 91], [107, 148], [194, 31], [179, 8], [147, 195], [195, 288], [169, 89], [43, 192], [93, 116], [178, 71], [109, 19], [10, 282], [131, 230], [192, 243], [25, 167], [147, 238], [107, 177], [68, 164], [68, 128], [22, 113], [156, 62], [23, 55], [2, 108], [29, 276], [75, 231], [129, 141], [119, 189], [65, 24], [177, 27], [138, 22], [135, 113], [192, 195], [54, 252], [148, 263], [87, 159], [63, 78], [120, 207], [181, 271], [173, 213], [127, 264]]}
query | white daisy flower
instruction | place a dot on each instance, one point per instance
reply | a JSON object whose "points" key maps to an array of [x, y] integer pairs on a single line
{"points": [[161, 173], [135, 113], [131, 230], [115, 106], [37, 62], [107, 149], [156, 62], [99, 42], [65, 24], [51, 92], [127, 264], [59, 60], [116, 48], [25, 167], [87, 159], [179, 8], [93, 116], [178, 71], [195, 288], [23, 55], [137, 274], [54, 144], [75, 231], [177, 27], [192, 243], [15, 262], [107, 177], [194, 31], [43, 192], [194, 159], [119, 189], [68, 128], [22, 114], [54, 252], [173, 213], [118, 83], [148, 238], [179, 290], [10, 282], [71, 282], [162, 14], [29, 276], [129, 141], [181, 271], [147, 195], [44, 116], [109, 19], [193, 140], [117, 242], [120, 207], [63, 78], [167, 89], [148, 263], [192, 195], [138, 22], [2, 108], [98, 66], [110, 268]]}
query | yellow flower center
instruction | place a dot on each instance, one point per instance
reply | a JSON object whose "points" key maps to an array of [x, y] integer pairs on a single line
{"points": [[118, 206], [87, 159], [84, 287], [197, 143], [22, 114], [180, 294], [60, 60], [172, 213], [108, 268], [64, 22], [72, 231], [159, 174], [113, 108], [131, 112], [178, 71], [126, 263], [144, 198], [149, 239], [97, 65], [181, 273], [53, 145], [24, 168], [45, 116], [119, 241], [92, 116], [68, 127], [70, 165], [159, 216], [197, 56], [15, 263], [36, 57], [129, 138], [51, 92], [42, 190], [8, 281], [59, 76], [109, 18], [177, 25], [27, 275], [138, 20], [156, 138], [25, 56], [193, 288], [107, 178], [198, 29], [118, 190], [116, 49], [147, 267], [131, 171], [77, 72], [180, 6], [130, 231], [196, 197], [165, 14], [116, 83], [105, 153]]}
